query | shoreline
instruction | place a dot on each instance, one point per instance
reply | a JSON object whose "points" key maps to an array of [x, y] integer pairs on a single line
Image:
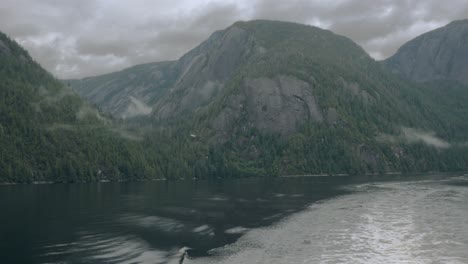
{"points": [[321, 175]]}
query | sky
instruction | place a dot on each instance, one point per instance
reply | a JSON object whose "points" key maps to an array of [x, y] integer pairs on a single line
{"points": [[75, 39]]}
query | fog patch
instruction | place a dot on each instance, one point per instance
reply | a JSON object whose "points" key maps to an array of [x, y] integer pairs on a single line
{"points": [[136, 108], [49, 97], [412, 135], [429, 138], [54, 96], [87, 111]]}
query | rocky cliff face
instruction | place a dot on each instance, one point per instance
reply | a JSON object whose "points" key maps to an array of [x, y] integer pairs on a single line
{"points": [[273, 77], [202, 72], [128, 93], [253, 53], [441, 54], [247, 77], [277, 104]]}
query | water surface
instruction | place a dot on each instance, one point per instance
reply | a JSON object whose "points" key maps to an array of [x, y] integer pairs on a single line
{"points": [[147, 222], [401, 219], [421, 221]]}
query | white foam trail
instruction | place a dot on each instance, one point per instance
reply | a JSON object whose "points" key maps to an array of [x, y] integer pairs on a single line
{"points": [[414, 223]]}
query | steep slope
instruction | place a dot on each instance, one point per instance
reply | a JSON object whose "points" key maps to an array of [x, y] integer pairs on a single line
{"points": [[185, 84], [339, 110], [271, 97], [440, 54], [254, 48], [127, 93], [47, 133]]}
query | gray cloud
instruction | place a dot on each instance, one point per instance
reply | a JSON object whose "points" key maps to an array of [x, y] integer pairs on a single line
{"points": [[89, 37]]}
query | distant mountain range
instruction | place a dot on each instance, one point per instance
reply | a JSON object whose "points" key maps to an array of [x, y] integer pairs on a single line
{"points": [[266, 98]]}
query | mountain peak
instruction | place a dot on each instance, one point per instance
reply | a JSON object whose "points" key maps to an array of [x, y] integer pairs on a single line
{"points": [[247, 48], [436, 55], [281, 93]]}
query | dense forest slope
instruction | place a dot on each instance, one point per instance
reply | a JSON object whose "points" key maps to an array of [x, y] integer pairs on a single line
{"points": [[441, 54], [47, 132], [260, 98], [268, 98]]}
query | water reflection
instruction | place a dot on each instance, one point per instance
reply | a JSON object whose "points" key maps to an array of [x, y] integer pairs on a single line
{"points": [[143, 222], [383, 222]]}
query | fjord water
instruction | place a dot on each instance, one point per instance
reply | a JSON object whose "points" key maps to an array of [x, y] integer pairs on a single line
{"points": [[285, 220], [145, 222]]}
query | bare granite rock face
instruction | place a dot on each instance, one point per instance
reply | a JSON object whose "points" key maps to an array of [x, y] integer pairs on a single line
{"points": [[127, 93], [281, 103], [204, 70], [276, 104], [441, 54], [169, 88], [227, 119]]}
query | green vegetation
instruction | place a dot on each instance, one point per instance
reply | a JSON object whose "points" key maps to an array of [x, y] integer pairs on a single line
{"points": [[47, 133], [369, 133], [373, 121]]}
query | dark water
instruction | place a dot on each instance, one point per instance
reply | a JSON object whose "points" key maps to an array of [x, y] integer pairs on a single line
{"points": [[147, 222]]}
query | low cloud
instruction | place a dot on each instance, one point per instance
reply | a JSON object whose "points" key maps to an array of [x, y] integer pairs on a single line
{"points": [[87, 111], [74, 39], [412, 135], [136, 108], [51, 97]]}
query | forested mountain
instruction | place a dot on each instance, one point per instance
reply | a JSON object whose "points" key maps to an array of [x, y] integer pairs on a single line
{"points": [[47, 132], [260, 98], [268, 98], [127, 93], [441, 54], [437, 60]]}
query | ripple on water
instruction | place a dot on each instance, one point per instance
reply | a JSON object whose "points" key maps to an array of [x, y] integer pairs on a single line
{"points": [[110, 248], [396, 222]]}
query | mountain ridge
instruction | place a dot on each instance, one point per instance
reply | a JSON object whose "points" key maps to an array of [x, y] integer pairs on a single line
{"points": [[49, 134], [439, 54], [278, 97]]}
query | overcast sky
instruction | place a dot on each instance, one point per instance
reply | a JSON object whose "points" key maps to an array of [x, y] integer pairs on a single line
{"points": [[78, 38]]}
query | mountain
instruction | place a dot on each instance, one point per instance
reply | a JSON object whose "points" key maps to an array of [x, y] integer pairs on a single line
{"points": [[196, 77], [269, 97], [48, 133], [436, 60], [440, 54], [127, 93]]}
